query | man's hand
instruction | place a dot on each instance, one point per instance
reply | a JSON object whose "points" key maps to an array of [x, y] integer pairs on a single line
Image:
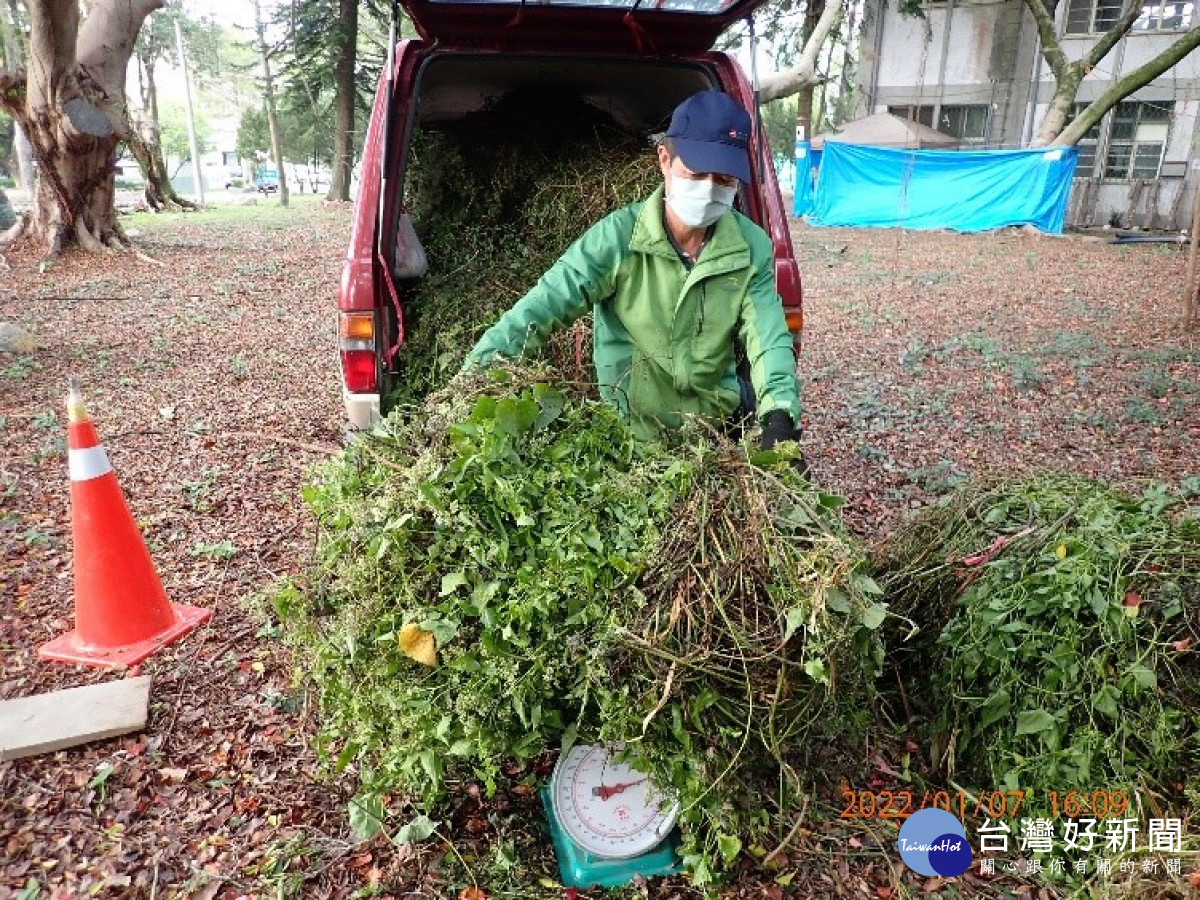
{"points": [[777, 427]]}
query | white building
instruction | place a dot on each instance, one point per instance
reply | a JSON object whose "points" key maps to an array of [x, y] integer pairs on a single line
{"points": [[971, 68]]}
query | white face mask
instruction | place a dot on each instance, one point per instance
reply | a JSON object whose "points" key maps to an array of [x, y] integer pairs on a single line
{"points": [[699, 201]]}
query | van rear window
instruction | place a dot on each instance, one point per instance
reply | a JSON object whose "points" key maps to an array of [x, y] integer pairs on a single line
{"points": [[702, 7]]}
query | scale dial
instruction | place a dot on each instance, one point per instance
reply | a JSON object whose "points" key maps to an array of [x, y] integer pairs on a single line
{"points": [[607, 808]]}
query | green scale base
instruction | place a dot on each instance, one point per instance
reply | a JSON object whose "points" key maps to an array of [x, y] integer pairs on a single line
{"points": [[581, 869]]}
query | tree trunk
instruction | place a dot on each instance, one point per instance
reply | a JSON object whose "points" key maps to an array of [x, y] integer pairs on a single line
{"points": [[804, 96], [1065, 90], [343, 134], [14, 56], [24, 154], [269, 98], [146, 149], [789, 81], [74, 115], [1068, 74], [144, 143], [1124, 86]]}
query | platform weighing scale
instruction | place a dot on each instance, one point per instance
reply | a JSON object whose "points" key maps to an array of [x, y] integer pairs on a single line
{"points": [[607, 823]]}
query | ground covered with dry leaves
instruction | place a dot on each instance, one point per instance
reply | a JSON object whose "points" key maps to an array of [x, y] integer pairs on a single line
{"points": [[213, 380]]}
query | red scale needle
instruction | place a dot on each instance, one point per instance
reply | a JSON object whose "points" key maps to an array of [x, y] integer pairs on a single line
{"points": [[604, 792]]}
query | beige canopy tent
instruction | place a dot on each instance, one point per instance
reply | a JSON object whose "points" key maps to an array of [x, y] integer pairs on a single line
{"points": [[887, 130]]}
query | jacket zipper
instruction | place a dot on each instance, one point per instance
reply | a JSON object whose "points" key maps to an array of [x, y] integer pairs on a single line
{"points": [[703, 295]]}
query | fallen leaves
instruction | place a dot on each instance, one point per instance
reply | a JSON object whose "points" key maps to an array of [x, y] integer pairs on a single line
{"points": [[224, 781]]}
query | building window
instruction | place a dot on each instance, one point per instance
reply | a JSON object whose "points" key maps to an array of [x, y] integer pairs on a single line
{"points": [[1164, 16], [1097, 16], [967, 123], [1138, 139], [1085, 167], [922, 114], [1093, 16]]}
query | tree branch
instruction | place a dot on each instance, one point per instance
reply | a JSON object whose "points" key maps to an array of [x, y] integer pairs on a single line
{"points": [[1126, 85], [1109, 39], [1052, 50], [804, 73]]}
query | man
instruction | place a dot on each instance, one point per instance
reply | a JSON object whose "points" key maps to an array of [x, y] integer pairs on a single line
{"points": [[671, 281]]}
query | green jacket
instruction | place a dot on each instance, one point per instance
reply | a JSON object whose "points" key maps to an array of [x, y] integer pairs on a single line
{"points": [[663, 336]]}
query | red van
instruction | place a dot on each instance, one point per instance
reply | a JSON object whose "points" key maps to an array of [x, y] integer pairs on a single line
{"points": [[642, 57]]}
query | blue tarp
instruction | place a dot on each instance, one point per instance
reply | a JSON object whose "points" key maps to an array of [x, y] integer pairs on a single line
{"points": [[802, 197], [960, 190]]}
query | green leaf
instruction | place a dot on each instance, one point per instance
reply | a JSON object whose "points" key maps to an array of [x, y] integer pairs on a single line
{"points": [[873, 615], [836, 601], [452, 582], [516, 416], [103, 773], [419, 829], [702, 701], [428, 760], [442, 629], [794, 618], [730, 846], [815, 669], [366, 816], [867, 585], [1034, 721], [485, 409], [996, 708], [1144, 677], [1105, 701], [570, 733], [551, 402]]}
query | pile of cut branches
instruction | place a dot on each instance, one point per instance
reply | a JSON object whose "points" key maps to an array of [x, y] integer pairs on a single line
{"points": [[507, 570], [496, 198], [1059, 635]]}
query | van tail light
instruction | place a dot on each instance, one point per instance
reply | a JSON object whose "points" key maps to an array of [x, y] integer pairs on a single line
{"points": [[795, 320], [356, 340]]}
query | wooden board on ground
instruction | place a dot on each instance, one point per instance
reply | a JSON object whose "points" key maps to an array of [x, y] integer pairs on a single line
{"points": [[44, 723]]}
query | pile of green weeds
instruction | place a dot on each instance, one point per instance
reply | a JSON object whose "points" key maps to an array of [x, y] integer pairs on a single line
{"points": [[1059, 631], [706, 610], [496, 198]]}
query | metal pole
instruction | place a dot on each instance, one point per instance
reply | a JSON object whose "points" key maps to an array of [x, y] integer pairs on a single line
{"points": [[1189, 297], [191, 124]]}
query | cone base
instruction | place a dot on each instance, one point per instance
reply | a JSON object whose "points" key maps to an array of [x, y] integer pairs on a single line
{"points": [[69, 648]]}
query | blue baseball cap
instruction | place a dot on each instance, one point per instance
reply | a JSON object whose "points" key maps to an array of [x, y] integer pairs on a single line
{"points": [[711, 133]]}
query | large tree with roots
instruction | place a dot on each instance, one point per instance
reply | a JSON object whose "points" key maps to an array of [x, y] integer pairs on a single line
{"points": [[70, 100]]}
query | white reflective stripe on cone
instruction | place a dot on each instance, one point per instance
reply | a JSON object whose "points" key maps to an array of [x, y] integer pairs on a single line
{"points": [[88, 464]]}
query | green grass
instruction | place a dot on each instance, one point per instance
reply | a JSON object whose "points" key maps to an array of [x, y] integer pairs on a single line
{"points": [[267, 214]]}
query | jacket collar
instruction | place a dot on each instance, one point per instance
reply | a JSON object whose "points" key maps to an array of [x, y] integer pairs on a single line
{"points": [[650, 234]]}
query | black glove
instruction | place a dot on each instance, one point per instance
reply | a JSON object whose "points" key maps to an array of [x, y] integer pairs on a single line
{"points": [[776, 427]]}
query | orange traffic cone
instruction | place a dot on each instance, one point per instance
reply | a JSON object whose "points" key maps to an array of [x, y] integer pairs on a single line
{"points": [[122, 614]]}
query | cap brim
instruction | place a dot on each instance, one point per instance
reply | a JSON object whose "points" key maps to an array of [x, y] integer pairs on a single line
{"points": [[713, 157]]}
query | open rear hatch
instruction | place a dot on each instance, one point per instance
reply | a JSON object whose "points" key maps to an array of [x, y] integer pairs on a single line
{"points": [[645, 27]]}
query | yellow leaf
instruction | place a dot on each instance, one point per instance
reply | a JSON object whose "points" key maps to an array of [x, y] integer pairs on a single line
{"points": [[417, 643], [1061, 552]]}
